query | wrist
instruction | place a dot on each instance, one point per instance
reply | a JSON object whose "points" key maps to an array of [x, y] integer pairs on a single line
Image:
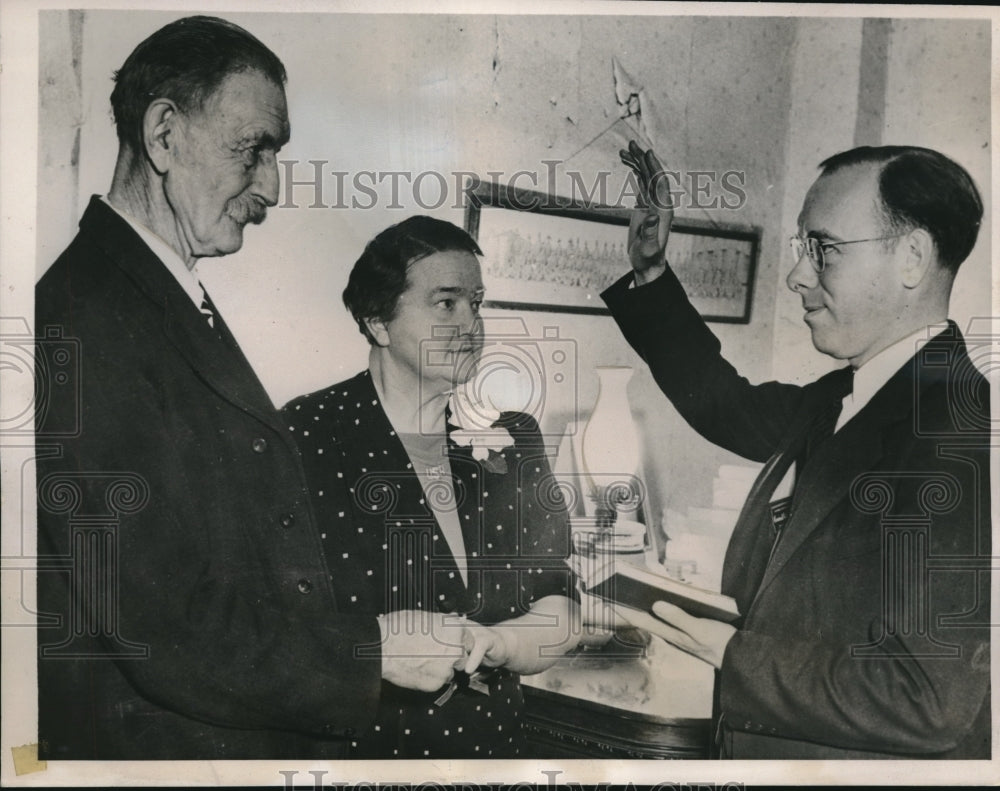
{"points": [[717, 653], [649, 274], [506, 644]]}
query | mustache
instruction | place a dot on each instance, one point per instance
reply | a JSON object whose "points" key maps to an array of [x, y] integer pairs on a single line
{"points": [[246, 210]]}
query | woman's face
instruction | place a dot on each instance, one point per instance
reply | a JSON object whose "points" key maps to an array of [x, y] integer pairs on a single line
{"points": [[436, 333]]}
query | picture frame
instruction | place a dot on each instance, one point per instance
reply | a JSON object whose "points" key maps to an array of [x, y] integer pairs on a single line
{"points": [[550, 253]]}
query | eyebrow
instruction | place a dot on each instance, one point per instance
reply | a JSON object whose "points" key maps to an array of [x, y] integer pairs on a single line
{"points": [[454, 290], [823, 235], [265, 140]]}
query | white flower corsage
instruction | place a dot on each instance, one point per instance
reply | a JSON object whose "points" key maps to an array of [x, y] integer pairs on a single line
{"points": [[475, 427]]}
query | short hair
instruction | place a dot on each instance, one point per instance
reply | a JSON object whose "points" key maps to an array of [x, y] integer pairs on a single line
{"points": [[378, 278], [922, 188], [185, 61]]}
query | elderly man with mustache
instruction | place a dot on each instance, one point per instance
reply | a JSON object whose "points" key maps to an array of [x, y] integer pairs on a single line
{"points": [[185, 607]]}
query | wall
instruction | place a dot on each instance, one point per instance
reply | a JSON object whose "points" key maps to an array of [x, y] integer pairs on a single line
{"points": [[938, 95], [769, 97], [885, 82]]}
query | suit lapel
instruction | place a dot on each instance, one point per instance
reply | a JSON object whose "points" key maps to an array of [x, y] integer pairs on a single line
{"points": [[215, 356], [752, 539], [826, 479], [356, 436]]}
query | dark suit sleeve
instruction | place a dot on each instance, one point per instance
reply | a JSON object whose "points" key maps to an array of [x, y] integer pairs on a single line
{"points": [[685, 359]]}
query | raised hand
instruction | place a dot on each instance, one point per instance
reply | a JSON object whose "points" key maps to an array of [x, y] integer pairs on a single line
{"points": [[649, 226]]}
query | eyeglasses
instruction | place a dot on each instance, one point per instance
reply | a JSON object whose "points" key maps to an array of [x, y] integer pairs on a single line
{"points": [[816, 250]]}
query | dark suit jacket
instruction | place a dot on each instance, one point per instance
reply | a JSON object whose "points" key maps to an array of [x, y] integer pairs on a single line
{"points": [[866, 633], [185, 608]]}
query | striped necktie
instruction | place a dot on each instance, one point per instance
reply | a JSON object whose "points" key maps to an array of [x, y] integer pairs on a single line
{"points": [[206, 307]]}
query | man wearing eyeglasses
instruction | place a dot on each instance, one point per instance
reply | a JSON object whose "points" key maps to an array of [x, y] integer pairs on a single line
{"points": [[864, 594]]}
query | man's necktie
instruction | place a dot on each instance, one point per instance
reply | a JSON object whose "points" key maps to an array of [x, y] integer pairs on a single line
{"points": [[820, 430], [207, 309], [841, 384], [755, 536]]}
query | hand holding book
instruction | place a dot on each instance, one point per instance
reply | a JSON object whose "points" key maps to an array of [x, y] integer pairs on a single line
{"points": [[615, 579], [704, 638], [699, 625]]}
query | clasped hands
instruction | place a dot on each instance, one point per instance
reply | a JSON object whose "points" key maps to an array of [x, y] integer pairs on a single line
{"points": [[423, 650]]}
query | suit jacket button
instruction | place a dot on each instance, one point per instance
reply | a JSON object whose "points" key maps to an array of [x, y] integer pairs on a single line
{"points": [[287, 520], [259, 445], [304, 586]]}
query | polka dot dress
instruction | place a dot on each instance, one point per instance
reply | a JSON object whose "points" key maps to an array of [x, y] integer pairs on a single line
{"points": [[385, 552]]}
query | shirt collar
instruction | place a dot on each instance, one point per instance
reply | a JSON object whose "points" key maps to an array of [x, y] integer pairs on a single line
{"points": [[873, 374], [186, 278]]}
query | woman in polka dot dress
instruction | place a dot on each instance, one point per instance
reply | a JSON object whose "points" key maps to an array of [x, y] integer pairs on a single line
{"points": [[430, 501]]}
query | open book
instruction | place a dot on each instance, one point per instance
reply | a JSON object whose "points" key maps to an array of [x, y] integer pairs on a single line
{"points": [[617, 580]]}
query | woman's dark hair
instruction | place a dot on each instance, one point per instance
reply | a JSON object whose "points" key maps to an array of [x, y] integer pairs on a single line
{"points": [[185, 61], [922, 188], [378, 278]]}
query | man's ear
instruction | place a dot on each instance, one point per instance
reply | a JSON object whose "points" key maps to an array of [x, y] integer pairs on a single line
{"points": [[159, 133], [378, 331], [919, 253]]}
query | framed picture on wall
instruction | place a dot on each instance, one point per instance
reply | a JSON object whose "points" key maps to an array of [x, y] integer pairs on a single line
{"points": [[545, 252]]}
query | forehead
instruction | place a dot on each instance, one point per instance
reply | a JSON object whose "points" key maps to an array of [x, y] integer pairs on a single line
{"points": [[249, 103], [445, 269], [843, 202]]}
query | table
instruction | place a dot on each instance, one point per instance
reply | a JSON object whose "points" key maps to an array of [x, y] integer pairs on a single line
{"points": [[635, 697]]}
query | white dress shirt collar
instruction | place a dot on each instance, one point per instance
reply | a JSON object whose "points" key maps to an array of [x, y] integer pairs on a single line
{"points": [[186, 278], [872, 375]]}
